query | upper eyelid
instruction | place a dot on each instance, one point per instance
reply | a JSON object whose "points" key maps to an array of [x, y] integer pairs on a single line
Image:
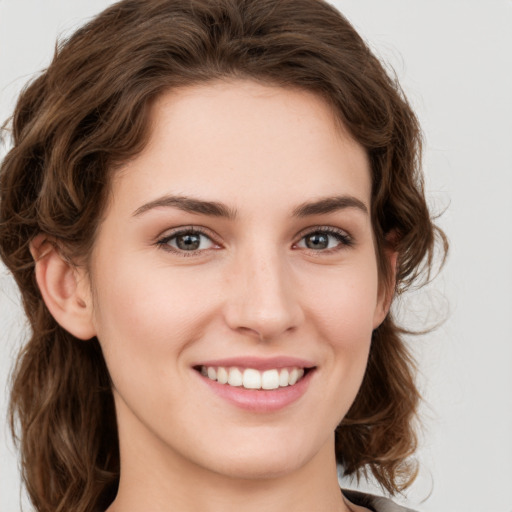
{"points": [[171, 232], [207, 231], [329, 229]]}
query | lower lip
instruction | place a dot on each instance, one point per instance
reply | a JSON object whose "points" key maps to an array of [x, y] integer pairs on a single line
{"points": [[260, 400]]}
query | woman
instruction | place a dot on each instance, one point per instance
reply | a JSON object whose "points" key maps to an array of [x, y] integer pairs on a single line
{"points": [[208, 208]]}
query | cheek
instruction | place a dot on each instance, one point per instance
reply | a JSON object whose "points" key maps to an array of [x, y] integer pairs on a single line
{"points": [[343, 309], [344, 305], [144, 319]]}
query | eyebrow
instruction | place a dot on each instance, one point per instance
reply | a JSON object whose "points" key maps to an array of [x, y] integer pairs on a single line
{"points": [[188, 204], [329, 205], [215, 209]]}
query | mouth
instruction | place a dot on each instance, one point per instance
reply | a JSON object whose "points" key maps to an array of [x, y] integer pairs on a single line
{"points": [[254, 379], [255, 384]]}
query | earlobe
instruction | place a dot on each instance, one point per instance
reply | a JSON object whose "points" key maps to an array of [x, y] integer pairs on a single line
{"points": [[64, 288]]}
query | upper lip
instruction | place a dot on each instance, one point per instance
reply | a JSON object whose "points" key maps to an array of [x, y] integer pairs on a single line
{"points": [[259, 363]]}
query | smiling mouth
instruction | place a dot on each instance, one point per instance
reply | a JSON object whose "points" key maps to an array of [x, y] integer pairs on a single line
{"points": [[250, 378]]}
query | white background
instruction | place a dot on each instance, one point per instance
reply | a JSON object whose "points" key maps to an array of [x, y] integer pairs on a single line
{"points": [[454, 59]]}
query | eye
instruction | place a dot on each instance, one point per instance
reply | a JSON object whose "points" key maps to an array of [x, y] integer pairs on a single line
{"points": [[324, 239], [189, 240]]}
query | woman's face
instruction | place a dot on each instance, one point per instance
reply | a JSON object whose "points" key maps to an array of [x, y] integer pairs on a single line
{"points": [[237, 247]]}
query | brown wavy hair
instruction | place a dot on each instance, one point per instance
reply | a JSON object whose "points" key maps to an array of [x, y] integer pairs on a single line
{"points": [[88, 112]]}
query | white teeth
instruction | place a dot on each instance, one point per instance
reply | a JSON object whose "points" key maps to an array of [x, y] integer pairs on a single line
{"points": [[254, 379], [270, 379], [284, 376], [295, 375], [235, 377], [222, 375]]}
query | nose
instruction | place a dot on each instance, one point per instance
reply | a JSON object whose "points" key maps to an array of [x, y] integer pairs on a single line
{"points": [[263, 298]]}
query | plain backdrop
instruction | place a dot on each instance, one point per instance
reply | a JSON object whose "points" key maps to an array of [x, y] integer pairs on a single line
{"points": [[454, 60]]}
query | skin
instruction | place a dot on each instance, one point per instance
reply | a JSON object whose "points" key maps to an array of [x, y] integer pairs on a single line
{"points": [[254, 288]]}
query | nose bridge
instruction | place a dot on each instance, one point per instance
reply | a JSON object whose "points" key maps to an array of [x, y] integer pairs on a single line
{"points": [[263, 298]]}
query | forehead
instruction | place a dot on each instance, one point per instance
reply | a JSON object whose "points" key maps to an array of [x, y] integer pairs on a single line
{"points": [[241, 141]]}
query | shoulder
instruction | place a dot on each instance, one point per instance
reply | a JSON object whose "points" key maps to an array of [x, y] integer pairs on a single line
{"points": [[374, 503]]}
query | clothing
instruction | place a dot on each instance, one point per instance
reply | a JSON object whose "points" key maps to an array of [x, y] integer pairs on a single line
{"points": [[373, 503]]}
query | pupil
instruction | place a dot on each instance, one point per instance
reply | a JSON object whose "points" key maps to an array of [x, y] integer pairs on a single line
{"points": [[188, 242], [317, 241]]}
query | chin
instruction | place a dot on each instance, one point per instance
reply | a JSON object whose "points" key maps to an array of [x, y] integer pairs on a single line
{"points": [[263, 460]]}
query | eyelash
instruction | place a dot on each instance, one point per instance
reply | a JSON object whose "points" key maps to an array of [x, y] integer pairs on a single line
{"points": [[344, 239]]}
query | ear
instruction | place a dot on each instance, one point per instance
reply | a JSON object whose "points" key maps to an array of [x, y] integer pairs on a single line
{"points": [[65, 288], [386, 289]]}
